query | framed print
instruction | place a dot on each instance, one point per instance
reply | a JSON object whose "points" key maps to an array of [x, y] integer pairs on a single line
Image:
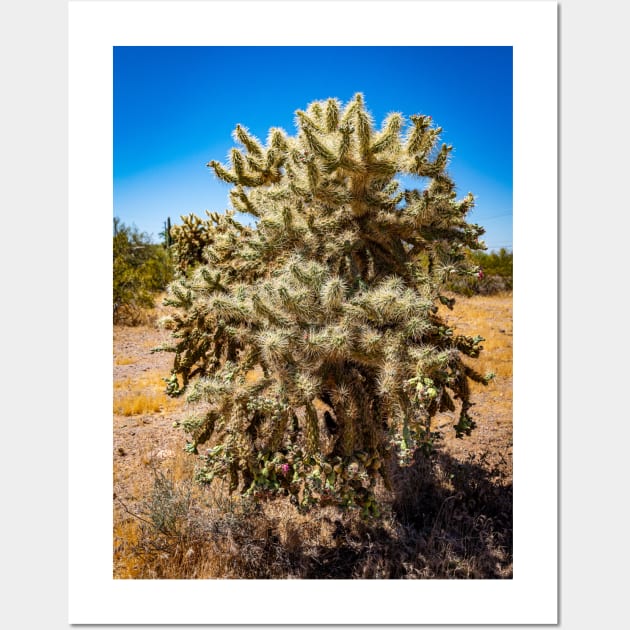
{"points": [[331, 396]]}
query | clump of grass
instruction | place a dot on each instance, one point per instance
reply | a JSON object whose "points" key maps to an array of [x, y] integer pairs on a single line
{"points": [[124, 360], [142, 395], [133, 404], [127, 564]]}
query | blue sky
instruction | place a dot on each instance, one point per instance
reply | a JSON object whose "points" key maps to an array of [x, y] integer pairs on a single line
{"points": [[175, 109]]}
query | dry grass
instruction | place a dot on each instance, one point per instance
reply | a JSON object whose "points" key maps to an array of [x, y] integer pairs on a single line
{"points": [[124, 360], [446, 520], [490, 317], [449, 516], [142, 395]]}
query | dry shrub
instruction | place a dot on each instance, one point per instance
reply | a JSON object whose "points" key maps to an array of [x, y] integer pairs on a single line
{"points": [[132, 315], [446, 519], [136, 315]]}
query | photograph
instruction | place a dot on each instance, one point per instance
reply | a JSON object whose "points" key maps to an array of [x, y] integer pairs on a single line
{"points": [[312, 312]]}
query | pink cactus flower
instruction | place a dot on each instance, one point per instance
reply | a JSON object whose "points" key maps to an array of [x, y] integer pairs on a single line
{"points": [[285, 469], [480, 274]]}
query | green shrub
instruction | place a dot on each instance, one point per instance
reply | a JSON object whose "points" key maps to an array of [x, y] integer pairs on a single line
{"points": [[494, 275], [141, 269]]}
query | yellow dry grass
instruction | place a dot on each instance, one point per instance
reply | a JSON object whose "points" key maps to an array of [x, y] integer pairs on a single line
{"points": [[491, 318], [127, 535], [124, 360], [145, 394]]}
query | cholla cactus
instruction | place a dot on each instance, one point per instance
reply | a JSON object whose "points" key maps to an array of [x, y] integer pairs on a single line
{"points": [[314, 338]]}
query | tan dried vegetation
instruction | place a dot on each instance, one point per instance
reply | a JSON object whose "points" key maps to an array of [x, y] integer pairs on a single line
{"points": [[449, 517]]}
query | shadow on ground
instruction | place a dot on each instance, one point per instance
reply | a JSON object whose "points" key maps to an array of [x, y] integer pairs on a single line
{"points": [[444, 519]]}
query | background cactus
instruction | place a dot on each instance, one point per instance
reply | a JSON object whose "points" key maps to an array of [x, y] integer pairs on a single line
{"points": [[313, 338]]}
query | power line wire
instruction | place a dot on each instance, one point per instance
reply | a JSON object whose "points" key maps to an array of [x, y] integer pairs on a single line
{"points": [[496, 216]]}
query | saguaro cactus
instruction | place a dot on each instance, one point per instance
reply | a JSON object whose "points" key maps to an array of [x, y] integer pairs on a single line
{"points": [[313, 338]]}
